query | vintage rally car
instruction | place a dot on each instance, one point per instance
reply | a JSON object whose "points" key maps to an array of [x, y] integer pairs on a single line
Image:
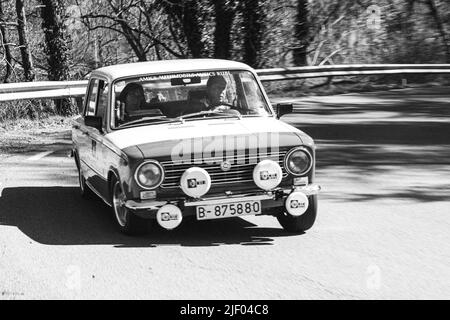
{"points": [[166, 140]]}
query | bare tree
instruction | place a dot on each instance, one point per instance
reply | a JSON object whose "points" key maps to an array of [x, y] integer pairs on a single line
{"points": [[27, 62], [441, 27], [56, 48], [224, 11], [132, 19], [4, 43], [301, 34], [186, 16], [253, 25]]}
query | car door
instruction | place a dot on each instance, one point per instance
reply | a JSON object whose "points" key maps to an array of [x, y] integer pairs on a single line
{"points": [[100, 153], [83, 134], [89, 139]]}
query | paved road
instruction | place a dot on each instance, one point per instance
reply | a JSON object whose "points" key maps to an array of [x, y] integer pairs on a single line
{"points": [[382, 231]]}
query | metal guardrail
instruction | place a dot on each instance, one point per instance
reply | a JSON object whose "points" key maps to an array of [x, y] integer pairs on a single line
{"points": [[294, 73], [76, 89], [42, 90], [41, 85]]}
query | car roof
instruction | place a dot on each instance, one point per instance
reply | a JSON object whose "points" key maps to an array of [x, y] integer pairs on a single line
{"points": [[167, 66]]}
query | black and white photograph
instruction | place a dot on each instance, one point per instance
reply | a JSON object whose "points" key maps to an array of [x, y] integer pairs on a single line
{"points": [[235, 151]]}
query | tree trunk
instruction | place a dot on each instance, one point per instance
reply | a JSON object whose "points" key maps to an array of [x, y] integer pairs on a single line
{"points": [[56, 49], [27, 62], [224, 14], [186, 15], [4, 40], [408, 23], [441, 27], [253, 25], [193, 27], [301, 34], [55, 39]]}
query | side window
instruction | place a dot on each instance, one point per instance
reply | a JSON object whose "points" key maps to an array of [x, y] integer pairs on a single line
{"points": [[103, 91], [92, 98]]}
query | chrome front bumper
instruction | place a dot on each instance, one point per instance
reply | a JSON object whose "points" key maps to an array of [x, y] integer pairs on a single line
{"points": [[311, 189]]}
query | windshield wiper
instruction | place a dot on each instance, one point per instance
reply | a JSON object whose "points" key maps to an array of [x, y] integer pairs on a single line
{"points": [[208, 113], [147, 119]]}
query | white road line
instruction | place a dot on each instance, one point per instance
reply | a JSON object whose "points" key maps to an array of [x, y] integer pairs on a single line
{"points": [[39, 156], [1, 189]]}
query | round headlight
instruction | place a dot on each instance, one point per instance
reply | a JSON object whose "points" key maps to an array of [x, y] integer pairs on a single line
{"points": [[298, 161], [149, 175]]}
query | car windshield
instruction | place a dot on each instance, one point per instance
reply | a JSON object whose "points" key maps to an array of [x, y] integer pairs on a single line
{"points": [[187, 96]]}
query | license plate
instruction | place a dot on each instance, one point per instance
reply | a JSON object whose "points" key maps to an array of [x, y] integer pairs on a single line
{"points": [[228, 210]]}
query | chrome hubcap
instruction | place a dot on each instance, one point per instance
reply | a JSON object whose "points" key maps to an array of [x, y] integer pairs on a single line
{"points": [[119, 205]]}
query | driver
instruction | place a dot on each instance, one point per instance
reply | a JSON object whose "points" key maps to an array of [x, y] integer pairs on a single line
{"points": [[133, 96], [214, 98], [215, 95], [134, 99], [215, 88]]}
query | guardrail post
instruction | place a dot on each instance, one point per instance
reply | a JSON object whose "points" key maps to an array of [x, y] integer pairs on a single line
{"points": [[78, 101], [404, 82]]}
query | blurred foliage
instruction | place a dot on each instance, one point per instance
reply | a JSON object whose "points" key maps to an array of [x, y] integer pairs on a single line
{"points": [[26, 109], [262, 33]]}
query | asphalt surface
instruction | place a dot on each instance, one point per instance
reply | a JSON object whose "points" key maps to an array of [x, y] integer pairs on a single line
{"points": [[383, 229]]}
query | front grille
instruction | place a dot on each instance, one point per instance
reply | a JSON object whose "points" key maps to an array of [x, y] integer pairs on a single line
{"points": [[241, 168]]}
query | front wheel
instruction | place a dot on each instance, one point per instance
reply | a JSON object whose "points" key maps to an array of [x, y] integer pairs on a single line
{"points": [[301, 223], [126, 220]]}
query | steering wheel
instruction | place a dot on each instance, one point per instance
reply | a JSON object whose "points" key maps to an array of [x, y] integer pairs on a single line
{"points": [[232, 107]]}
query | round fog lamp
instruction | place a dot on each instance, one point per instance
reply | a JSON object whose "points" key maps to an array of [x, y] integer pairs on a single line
{"points": [[169, 216], [195, 182], [296, 203], [267, 174]]}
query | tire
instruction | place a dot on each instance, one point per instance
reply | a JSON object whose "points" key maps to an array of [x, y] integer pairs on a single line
{"points": [[85, 191], [126, 221], [301, 223]]}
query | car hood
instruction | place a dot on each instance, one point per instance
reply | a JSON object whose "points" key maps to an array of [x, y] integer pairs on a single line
{"points": [[160, 140]]}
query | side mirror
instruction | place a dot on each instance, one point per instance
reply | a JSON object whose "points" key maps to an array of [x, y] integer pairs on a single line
{"points": [[283, 108], [95, 122]]}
